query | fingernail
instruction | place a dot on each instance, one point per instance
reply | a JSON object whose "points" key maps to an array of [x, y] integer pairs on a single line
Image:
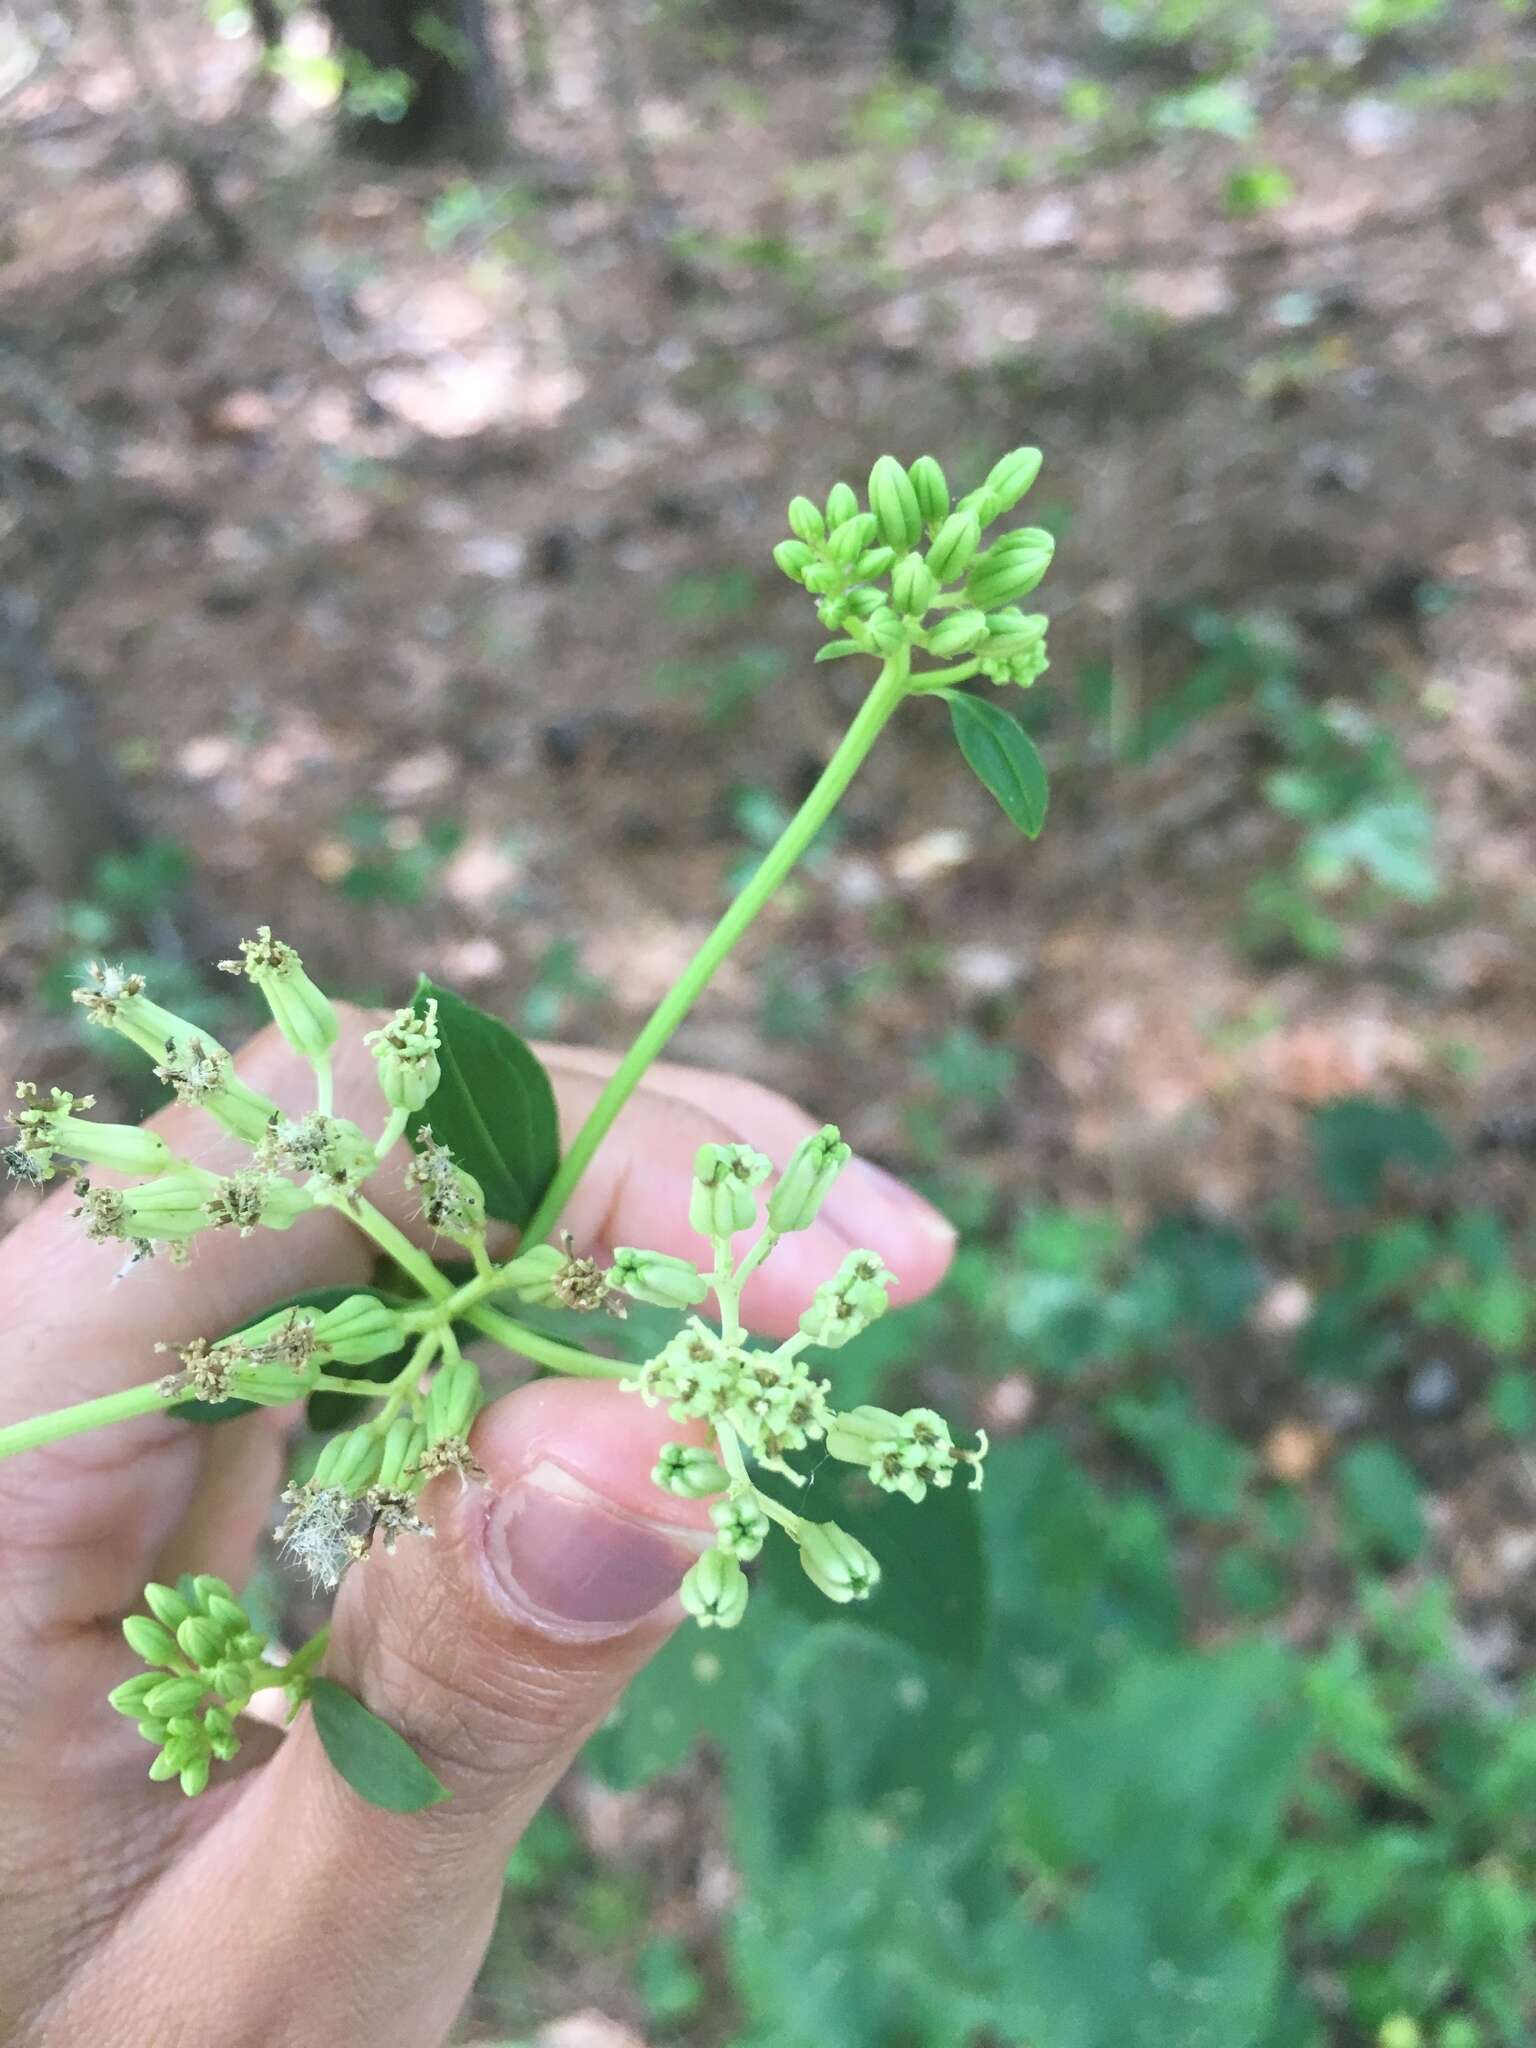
{"points": [[863, 1186], [568, 1557]]}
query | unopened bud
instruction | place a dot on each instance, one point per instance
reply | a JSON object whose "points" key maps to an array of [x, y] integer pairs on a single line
{"points": [[837, 1563], [201, 1640], [1012, 632], [360, 1329], [847, 542], [887, 630], [1011, 476], [174, 1696], [794, 558], [741, 1527], [842, 503], [1010, 570], [663, 1281], [690, 1471], [929, 488], [873, 563], [715, 1590], [807, 1180], [46, 1128], [194, 1776], [531, 1275], [722, 1201], [913, 586], [403, 1444], [960, 633], [954, 545], [166, 1604], [406, 1050], [453, 1400], [129, 1697], [898, 517], [805, 520]]}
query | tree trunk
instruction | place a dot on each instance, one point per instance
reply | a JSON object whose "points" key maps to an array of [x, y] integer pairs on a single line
{"points": [[442, 49]]}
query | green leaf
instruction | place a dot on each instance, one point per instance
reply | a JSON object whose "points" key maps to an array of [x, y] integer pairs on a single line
{"points": [[932, 1590], [837, 650], [376, 1762], [1379, 1502], [494, 1107], [1356, 1140], [1003, 758]]}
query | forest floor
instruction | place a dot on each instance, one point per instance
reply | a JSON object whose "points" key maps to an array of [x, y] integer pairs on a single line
{"points": [[415, 567]]}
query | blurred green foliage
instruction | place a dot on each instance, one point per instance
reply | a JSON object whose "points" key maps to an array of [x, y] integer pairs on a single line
{"points": [[1088, 1798]]}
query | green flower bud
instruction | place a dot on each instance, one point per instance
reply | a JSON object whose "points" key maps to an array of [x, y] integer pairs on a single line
{"points": [[841, 504], [220, 1730], [403, 1445], [1010, 477], [893, 501], [304, 1015], [822, 577], [174, 1696], [1012, 632], [453, 1400], [227, 1615], [844, 1306], [741, 1525], [231, 1679], [655, 1277], [208, 1586], [865, 603], [162, 1770], [807, 1180], [406, 1050], [794, 558], [273, 1386], [982, 506], [847, 542], [724, 1177], [360, 1329], [1004, 573], [929, 488], [153, 1730], [913, 586], [194, 1776], [129, 1697], [960, 633], [247, 1646], [201, 1641], [860, 1433], [836, 1563], [953, 546], [149, 1641], [887, 630], [166, 1604], [690, 1471], [715, 1590], [1400, 2031], [873, 563], [805, 520]]}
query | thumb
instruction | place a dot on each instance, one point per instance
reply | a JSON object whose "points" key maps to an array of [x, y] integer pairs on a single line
{"points": [[495, 1650]]}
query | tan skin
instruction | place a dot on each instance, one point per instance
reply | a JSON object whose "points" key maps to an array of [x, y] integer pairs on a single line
{"points": [[278, 1908]]}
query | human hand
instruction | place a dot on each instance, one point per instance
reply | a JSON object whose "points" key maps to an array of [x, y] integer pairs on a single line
{"points": [[279, 1908]]}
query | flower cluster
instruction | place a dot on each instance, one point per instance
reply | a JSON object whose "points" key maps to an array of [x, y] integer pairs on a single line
{"points": [[880, 574], [366, 1482], [770, 1404], [207, 1661]]}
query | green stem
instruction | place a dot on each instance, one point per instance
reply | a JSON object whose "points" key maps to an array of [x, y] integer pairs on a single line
{"points": [[566, 1358], [941, 678], [375, 1224], [98, 1414], [873, 715]]}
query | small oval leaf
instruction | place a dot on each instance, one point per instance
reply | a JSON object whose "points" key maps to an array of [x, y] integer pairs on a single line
{"points": [[379, 1764], [1002, 756], [494, 1107]]}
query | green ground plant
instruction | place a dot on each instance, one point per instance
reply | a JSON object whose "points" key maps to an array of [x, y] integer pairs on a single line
{"points": [[466, 1108]]}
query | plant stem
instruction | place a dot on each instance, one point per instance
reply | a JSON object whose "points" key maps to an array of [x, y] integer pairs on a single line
{"points": [[889, 689], [97, 1414], [375, 1224], [566, 1358]]}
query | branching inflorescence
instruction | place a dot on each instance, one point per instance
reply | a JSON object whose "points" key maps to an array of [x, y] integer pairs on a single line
{"points": [[905, 577]]}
